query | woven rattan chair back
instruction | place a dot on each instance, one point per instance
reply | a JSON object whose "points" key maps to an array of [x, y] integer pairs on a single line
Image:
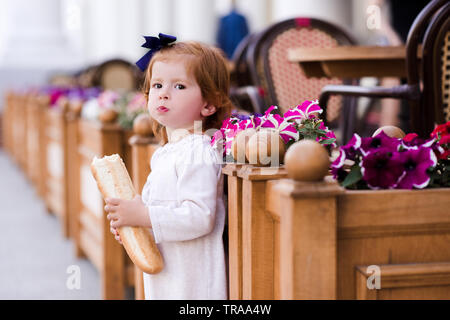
{"points": [[284, 83], [436, 69]]}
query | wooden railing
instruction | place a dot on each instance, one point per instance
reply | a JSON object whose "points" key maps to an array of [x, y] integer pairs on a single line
{"points": [[142, 148], [287, 239], [92, 230]]}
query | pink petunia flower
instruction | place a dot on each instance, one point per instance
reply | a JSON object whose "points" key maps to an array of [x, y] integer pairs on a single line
{"points": [[304, 111], [286, 130]]}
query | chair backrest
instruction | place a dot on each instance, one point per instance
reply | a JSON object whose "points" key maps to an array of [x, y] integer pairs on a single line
{"points": [[117, 74], [425, 26], [284, 83], [242, 76], [436, 68]]}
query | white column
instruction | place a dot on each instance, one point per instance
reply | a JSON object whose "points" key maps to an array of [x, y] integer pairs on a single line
{"points": [[336, 11], [35, 36], [257, 13], [195, 20], [129, 29], [100, 25], [158, 17], [3, 22], [112, 29]]}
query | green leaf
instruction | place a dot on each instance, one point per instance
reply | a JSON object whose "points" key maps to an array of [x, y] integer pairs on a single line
{"points": [[353, 177], [327, 141], [303, 131], [319, 131]]}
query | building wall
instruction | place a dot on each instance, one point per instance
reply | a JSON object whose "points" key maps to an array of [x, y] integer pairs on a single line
{"points": [[67, 35]]}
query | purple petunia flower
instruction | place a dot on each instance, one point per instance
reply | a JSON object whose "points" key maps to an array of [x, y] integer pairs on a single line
{"points": [[381, 140], [412, 141], [337, 166], [381, 169], [352, 148], [241, 116], [415, 163]]}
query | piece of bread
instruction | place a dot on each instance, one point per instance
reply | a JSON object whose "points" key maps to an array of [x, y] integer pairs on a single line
{"points": [[113, 181]]}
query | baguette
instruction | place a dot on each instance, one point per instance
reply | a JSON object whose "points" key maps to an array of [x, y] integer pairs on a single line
{"points": [[113, 181]]}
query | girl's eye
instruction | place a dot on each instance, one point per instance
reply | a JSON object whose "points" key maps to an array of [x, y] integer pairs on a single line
{"points": [[157, 85], [180, 86]]}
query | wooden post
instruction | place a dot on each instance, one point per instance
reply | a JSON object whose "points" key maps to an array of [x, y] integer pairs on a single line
{"points": [[234, 231], [308, 242], [43, 104], [57, 172], [73, 176], [259, 233], [142, 149], [93, 237], [308, 225]]}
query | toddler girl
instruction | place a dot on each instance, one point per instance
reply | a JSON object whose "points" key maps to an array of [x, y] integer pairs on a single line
{"points": [[186, 84]]}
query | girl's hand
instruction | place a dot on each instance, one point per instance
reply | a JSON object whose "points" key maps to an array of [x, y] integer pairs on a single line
{"points": [[115, 233], [127, 213]]}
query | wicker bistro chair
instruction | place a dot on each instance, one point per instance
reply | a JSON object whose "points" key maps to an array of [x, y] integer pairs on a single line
{"points": [[427, 88], [436, 61], [284, 83], [117, 74], [242, 92]]}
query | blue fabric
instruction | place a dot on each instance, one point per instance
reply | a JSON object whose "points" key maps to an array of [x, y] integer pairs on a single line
{"points": [[232, 29]]}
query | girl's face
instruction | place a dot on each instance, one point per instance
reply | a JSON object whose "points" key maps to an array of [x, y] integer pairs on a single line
{"points": [[175, 99]]}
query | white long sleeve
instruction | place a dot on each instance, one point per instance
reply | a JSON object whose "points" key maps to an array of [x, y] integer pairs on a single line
{"points": [[194, 213], [184, 196]]}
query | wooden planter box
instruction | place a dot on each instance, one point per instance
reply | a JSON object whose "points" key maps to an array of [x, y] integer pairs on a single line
{"points": [[252, 232], [6, 122], [60, 165], [33, 130], [18, 130], [56, 165], [334, 243], [42, 106], [142, 149], [92, 230]]}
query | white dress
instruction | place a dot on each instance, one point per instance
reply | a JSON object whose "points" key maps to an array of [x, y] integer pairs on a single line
{"points": [[184, 197]]}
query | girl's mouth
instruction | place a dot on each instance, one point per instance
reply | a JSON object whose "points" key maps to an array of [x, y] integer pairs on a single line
{"points": [[162, 109]]}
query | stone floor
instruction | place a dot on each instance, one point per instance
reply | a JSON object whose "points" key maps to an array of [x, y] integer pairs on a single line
{"points": [[36, 261]]}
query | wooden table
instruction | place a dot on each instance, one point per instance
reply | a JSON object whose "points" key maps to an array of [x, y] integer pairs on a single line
{"points": [[351, 61]]}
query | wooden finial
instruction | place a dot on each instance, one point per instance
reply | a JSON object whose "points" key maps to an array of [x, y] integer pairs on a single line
{"points": [[307, 160], [391, 131], [76, 107], [107, 116], [142, 125]]}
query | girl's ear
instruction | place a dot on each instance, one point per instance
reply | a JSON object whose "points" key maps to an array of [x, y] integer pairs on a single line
{"points": [[208, 110]]}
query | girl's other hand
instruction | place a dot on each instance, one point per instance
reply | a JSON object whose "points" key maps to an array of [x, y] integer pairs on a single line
{"points": [[115, 233]]}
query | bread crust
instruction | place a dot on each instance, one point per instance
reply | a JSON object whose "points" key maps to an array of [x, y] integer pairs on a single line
{"points": [[113, 181]]}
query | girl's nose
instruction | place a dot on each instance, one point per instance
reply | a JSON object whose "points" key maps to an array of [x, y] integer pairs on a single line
{"points": [[163, 94]]}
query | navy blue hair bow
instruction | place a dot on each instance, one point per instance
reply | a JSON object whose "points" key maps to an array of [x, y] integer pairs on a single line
{"points": [[154, 44]]}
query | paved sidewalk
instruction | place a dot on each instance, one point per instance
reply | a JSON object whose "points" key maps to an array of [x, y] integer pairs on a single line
{"points": [[36, 261]]}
